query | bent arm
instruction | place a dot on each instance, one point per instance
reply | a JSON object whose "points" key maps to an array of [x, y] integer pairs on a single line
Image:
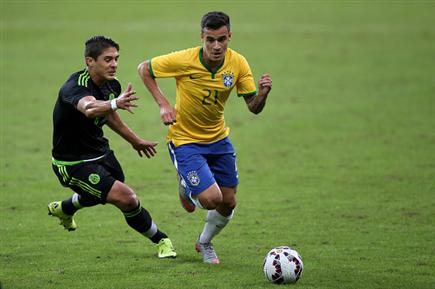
{"points": [[151, 83], [115, 122], [257, 102], [93, 108], [167, 112], [140, 145]]}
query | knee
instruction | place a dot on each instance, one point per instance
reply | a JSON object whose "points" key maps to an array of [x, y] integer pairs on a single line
{"points": [[128, 200], [230, 205], [227, 207], [211, 202], [229, 201]]}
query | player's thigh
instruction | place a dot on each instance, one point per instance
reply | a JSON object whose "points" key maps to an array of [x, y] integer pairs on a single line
{"points": [[211, 197], [122, 196], [192, 168]]}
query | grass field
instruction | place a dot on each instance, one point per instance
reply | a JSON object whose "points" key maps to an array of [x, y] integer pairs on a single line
{"points": [[340, 164]]}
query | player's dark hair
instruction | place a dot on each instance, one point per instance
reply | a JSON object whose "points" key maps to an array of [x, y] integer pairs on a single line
{"points": [[95, 45], [215, 20]]}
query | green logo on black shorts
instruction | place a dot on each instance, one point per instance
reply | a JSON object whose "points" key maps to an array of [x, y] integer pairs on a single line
{"points": [[94, 179]]}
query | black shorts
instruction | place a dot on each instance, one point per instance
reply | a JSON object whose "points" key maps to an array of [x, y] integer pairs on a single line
{"points": [[91, 180]]}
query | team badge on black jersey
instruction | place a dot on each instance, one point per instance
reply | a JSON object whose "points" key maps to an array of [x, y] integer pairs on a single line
{"points": [[228, 78], [94, 179]]}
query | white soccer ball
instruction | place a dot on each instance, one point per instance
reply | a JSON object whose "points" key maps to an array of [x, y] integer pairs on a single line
{"points": [[283, 265]]}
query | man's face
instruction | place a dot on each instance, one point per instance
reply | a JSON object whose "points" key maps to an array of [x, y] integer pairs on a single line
{"points": [[106, 64], [215, 43]]}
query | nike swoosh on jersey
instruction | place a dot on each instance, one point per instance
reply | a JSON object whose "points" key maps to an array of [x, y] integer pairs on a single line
{"points": [[194, 76]]}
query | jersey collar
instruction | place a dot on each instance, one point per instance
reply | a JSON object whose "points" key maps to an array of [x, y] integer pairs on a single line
{"points": [[201, 59]]}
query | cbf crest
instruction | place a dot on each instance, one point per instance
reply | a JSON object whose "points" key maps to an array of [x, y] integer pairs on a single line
{"points": [[193, 178], [228, 78]]}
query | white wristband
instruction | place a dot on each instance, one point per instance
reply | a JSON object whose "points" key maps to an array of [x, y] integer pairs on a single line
{"points": [[113, 104]]}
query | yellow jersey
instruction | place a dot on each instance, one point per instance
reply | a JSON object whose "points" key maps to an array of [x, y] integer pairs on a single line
{"points": [[201, 94]]}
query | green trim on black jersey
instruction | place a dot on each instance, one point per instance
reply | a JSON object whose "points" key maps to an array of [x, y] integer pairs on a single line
{"points": [[84, 78], [85, 187], [65, 163], [247, 94], [63, 172], [213, 73], [150, 68]]}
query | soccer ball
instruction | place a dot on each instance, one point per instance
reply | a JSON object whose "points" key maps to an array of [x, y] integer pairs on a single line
{"points": [[283, 265]]}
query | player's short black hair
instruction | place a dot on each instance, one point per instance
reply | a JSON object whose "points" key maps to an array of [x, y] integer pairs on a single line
{"points": [[215, 20], [95, 45]]}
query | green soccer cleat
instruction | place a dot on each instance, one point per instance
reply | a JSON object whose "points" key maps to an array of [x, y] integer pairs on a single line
{"points": [[67, 221], [165, 249]]}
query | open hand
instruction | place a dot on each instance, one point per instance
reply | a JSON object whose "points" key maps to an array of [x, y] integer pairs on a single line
{"points": [[146, 147], [125, 100]]}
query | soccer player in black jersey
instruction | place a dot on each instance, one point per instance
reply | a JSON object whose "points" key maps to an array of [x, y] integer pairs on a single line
{"points": [[82, 158]]}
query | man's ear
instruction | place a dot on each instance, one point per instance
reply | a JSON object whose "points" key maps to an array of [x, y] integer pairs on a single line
{"points": [[229, 35], [89, 61]]}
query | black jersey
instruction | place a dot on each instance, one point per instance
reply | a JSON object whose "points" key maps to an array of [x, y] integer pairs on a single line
{"points": [[76, 137]]}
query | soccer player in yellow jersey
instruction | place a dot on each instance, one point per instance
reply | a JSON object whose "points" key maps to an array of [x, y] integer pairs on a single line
{"points": [[198, 137]]}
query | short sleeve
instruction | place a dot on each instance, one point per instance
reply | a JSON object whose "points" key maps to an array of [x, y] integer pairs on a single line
{"points": [[169, 65], [245, 83], [73, 94]]}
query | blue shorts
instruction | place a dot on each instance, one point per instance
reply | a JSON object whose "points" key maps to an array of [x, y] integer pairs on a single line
{"points": [[201, 165]]}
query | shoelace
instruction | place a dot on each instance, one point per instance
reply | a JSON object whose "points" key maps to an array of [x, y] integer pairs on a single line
{"points": [[209, 250]]}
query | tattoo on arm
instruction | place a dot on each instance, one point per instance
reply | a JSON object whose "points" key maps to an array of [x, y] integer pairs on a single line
{"points": [[255, 104]]}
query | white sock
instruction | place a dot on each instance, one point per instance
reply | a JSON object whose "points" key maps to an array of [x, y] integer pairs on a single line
{"points": [[214, 223], [75, 201], [196, 202]]}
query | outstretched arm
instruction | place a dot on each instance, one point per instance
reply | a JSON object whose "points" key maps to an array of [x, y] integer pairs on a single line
{"points": [[167, 112], [146, 147], [257, 102], [92, 108]]}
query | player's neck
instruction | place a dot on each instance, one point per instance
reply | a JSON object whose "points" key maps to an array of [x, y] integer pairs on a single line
{"points": [[98, 80], [213, 65], [210, 64]]}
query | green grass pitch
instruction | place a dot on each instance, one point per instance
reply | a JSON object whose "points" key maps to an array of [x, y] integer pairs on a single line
{"points": [[340, 165]]}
